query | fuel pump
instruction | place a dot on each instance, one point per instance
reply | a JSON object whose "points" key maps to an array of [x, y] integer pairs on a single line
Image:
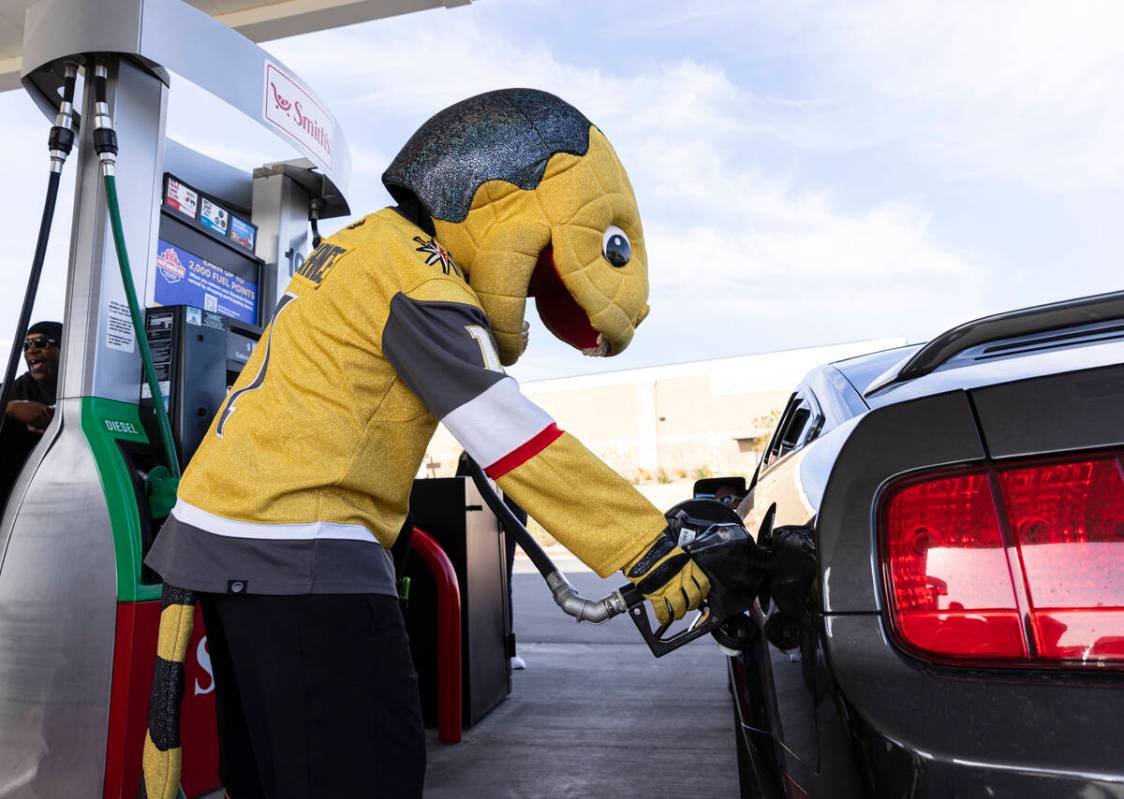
{"points": [[78, 613]]}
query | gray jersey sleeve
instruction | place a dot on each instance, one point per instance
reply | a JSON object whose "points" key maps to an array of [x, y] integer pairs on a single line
{"points": [[444, 351]]}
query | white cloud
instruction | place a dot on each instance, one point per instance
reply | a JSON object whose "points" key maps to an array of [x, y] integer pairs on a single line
{"points": [[1027, 91], [387, 74], [207, 124], [731, 234], [367, 162], [723, 229], [827, 249], [800, 272]]}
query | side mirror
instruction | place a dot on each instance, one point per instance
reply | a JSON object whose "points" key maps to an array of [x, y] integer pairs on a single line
{"points": [[727, 490]]}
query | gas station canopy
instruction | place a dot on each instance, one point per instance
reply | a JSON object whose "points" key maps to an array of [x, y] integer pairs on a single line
{"points": [[258, 20]]}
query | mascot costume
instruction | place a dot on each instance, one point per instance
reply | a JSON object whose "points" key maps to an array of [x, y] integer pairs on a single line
{"points": [[405, 318]]}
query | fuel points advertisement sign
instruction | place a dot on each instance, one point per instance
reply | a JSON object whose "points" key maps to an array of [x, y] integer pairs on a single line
{"points": [[185, 279]]}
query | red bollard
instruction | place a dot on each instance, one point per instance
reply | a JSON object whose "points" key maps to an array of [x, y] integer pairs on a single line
{"points": [[448, 635]]}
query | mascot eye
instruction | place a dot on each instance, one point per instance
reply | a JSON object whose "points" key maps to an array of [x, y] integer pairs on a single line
{"points": [[614, 243]]}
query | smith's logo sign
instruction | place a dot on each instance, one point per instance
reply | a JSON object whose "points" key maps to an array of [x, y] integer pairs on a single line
{"points": [[292, 109]]}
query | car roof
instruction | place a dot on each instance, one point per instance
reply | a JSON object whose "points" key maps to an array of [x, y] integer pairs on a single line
{"points": [[1004, 361]]}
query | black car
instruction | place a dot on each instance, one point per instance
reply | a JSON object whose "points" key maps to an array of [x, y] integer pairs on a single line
{"points": [[960, 628]]}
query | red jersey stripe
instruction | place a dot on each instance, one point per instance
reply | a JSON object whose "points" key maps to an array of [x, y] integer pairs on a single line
{"points": [[524, 452]]}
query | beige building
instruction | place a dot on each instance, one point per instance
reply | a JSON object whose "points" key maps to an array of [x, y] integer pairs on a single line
{"points": [[672, 423]]}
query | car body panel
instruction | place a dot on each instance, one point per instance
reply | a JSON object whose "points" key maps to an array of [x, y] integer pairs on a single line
{"points": [[845, 713], [1057, 413], [920, 434], [793, 715], [933, 731]]}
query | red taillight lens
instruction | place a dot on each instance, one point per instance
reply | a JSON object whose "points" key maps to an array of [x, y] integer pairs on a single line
{"points": [[950, 585], [1068, 524], [1022, 563]]}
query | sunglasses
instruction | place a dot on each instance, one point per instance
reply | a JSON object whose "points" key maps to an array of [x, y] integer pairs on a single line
{"points": [[40, 343]]}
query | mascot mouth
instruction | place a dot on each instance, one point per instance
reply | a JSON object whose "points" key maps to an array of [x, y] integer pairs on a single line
{"points": [[560, 312]]}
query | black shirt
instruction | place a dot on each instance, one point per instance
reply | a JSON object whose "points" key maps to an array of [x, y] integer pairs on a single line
{"points": [[27, 387], [16, 441]]}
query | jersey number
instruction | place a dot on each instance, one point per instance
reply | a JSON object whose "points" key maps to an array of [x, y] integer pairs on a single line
{"points": [[259, 378], [487, 348]]}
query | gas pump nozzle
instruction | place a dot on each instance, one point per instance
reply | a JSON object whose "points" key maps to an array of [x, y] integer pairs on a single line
{"points": [[713, 535], [710, 532]]}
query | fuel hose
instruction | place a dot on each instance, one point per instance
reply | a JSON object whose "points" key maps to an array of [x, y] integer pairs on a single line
{"points": [[162, 421], [60, 143], [565, 595], [162, 759], [105, 143]]}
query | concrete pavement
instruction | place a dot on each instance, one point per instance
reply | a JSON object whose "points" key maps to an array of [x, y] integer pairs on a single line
{"points": [[594, 716]]}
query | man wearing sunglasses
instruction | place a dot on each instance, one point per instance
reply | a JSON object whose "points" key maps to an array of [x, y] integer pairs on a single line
{"points": [[33, 401]]}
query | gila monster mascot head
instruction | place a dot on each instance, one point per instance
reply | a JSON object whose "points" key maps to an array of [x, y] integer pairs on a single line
{"points": [[531, 200]]}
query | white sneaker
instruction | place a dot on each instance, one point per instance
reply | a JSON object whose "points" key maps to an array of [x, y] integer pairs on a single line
{"points": [[518, 663]]}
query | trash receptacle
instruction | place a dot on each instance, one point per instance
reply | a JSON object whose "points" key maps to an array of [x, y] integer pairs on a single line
{"points": [[452, 511]]}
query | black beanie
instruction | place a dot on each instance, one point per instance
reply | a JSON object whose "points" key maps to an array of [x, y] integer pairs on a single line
{"points": [[48, 329]]}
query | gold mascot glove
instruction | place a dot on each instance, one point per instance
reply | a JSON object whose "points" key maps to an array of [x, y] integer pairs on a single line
{"points": [[668, 578]]}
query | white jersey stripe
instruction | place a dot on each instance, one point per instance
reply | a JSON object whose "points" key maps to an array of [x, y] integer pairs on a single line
{"points": [[496, 421], [298, 531]]}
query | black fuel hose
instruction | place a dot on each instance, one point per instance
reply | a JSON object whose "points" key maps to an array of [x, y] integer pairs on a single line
{"points": [[510, 522], [565, 595], [60, 142], [30, 293]]}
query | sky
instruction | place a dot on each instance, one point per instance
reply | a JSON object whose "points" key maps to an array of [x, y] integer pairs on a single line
{"points": [[807, 173]]}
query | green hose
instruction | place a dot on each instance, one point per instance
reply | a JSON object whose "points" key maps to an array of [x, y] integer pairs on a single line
{"points": [[160, 483], [162, 420], [162, 759]]}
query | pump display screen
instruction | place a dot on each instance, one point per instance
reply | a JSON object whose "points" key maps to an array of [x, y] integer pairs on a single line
{"points": [[186, 279]]}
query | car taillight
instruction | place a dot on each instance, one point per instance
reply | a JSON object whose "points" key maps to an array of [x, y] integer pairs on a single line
{"points": [[1019, 563]]}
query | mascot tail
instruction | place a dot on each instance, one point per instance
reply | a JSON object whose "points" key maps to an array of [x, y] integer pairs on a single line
{"points": [[163, 756]]}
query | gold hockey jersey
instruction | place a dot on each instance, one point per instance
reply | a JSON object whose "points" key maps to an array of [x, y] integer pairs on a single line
{"points": [[303, 480]]}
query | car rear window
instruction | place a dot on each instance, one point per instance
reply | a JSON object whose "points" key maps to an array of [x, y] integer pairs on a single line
{"points": [[862, 370]]}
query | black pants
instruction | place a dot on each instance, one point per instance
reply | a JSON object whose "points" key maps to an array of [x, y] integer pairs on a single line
{"points": [[316, 696]]}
